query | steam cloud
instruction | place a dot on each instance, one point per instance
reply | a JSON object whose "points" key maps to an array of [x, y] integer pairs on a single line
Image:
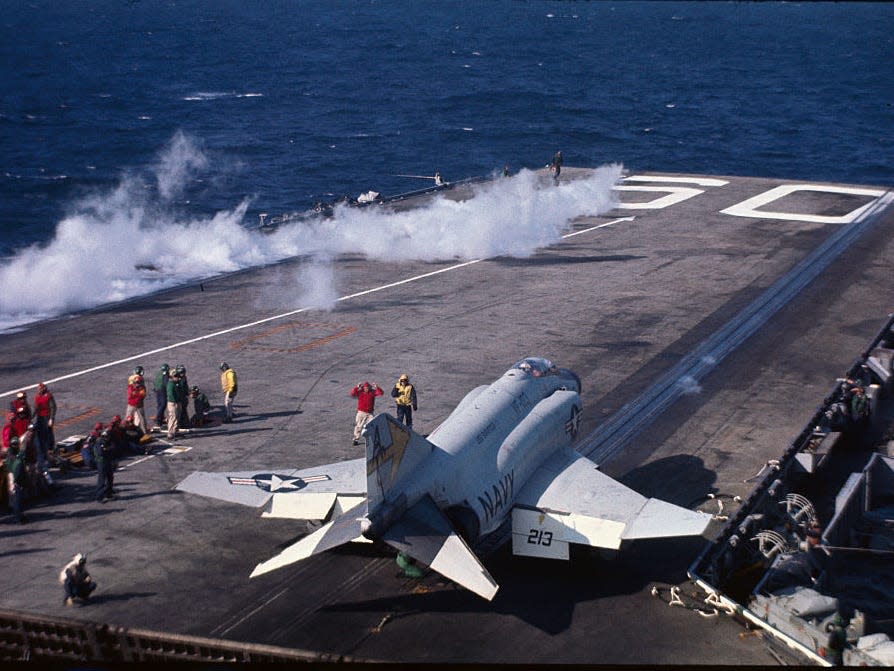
{"points": [[179, 161], [127, 242], [689, 385]]}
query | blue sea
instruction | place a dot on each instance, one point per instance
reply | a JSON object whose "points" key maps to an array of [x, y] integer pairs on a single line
{"points": [[141, 140]]}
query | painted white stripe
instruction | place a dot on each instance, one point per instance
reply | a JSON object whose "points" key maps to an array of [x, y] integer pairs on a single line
{"points": [[675, 194], [593, 228], [748, 208], [701, 181], [134, 463], [170, 451], [233, 329]]}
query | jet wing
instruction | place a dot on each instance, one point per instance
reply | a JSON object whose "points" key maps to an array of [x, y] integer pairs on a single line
{"points": [[425, 534], [307, 494], [568, 500]]}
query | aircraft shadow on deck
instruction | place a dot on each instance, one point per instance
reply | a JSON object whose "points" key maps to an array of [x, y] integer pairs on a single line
{"points": [[680, 479], [541, 592]]}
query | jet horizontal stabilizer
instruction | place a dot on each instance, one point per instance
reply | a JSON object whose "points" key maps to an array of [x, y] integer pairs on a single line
{"points": [[425, 534], [660, 519], [339, 531]]}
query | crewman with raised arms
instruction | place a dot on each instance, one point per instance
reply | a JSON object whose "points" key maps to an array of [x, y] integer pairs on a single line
{"points": [[404, 395]]}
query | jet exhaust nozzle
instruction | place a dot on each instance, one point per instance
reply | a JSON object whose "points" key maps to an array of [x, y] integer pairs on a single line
{"points": [[365, 526], [380, 520]]}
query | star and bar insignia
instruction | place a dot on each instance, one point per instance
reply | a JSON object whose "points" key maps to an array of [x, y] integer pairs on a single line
{"points": [[271, 482]]}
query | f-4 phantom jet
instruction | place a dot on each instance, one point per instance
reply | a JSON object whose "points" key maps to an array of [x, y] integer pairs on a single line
{"points": [[505, 450]]}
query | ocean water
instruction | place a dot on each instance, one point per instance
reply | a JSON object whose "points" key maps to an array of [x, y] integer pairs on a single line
{"points": [[140, 140]]}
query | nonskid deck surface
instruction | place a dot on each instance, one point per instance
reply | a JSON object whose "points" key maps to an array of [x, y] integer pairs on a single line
{"points": [[706, 317]]}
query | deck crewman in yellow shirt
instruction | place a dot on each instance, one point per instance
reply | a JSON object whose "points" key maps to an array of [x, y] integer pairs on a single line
{"points": [[405, 395], [229, 387]]}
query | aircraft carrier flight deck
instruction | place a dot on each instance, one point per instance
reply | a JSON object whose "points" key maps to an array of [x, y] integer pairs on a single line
{"points": [[706, 316]]}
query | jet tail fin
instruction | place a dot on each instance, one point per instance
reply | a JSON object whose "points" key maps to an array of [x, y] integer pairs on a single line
{"points": [[392, 451], [339, 531], [425, 534]]}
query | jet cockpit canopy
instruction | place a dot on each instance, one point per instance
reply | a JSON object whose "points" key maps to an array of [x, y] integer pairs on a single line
{"points": [[537, 366]]}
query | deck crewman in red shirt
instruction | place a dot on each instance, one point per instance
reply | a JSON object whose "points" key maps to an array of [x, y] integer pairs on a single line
{"points": [[365, 393], [22, 413], [136, 395], [44, 418]]}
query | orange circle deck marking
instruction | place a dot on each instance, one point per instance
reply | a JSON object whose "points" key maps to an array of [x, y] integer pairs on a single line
{"points": [[89, 412], [251, 341]]}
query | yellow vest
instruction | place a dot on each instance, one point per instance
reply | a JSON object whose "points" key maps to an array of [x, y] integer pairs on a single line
{"points": [[404, 394]]}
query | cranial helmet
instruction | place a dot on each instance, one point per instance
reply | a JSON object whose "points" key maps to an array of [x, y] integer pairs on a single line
{"points": [[138, 370], [224, 365]]}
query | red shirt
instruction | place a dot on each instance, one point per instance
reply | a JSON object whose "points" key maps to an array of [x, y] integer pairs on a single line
{"points": [[20, 408], [20, 425], [136, 392], [366, 397], [42, 404]]}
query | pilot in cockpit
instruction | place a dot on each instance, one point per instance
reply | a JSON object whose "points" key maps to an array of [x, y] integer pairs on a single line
{"points": [[537, 367]]}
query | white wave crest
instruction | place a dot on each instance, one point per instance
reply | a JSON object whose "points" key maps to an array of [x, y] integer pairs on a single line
{"points": [[201, 96]]}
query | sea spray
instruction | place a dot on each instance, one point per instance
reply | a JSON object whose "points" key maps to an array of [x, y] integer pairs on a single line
{"points": [[133, 240]]}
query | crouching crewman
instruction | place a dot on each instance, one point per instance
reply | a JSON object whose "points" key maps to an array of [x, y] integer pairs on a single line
{"points": [[76, 580], [201, 405]]}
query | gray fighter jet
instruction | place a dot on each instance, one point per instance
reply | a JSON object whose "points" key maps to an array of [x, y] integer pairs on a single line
{"points": [[504, 450]]}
